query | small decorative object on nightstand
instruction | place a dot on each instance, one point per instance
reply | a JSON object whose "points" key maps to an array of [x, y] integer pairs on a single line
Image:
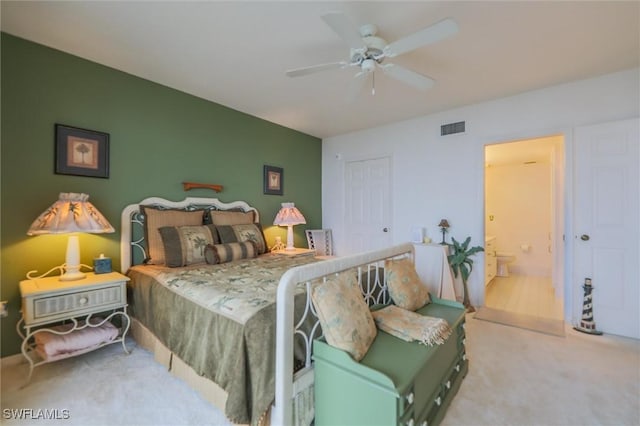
{"points": [[48, 302], [102, 265], [279, 245]]}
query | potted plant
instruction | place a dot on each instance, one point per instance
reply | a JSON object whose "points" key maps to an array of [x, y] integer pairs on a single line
{"points": [[461, 262]]}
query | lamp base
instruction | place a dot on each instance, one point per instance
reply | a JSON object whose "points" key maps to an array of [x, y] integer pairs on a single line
{"points": [[72, 264], [72, 276], [290, 238]]}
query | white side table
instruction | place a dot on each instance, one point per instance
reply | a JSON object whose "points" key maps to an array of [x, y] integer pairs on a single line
{"points": [[433, 269], [47, 301]]}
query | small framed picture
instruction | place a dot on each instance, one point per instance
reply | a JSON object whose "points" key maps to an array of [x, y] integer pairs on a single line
{"points": [[81, 152], [273, 180]]}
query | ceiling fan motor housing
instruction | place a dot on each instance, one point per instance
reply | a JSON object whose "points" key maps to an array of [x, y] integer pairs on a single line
{"points": [[373, 49]]}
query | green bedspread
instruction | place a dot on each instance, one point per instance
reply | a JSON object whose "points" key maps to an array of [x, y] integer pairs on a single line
{"points": [[220, 320]]}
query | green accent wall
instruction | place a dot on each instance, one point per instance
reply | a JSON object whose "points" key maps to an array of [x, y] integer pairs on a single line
{"points": [[159, 137]]}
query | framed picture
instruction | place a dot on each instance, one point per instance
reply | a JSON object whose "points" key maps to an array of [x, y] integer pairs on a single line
{"points": [[273, 180], [81, 152]]}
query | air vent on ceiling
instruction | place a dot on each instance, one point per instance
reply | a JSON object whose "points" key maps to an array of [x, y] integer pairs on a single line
{"points": [[451, 128]]}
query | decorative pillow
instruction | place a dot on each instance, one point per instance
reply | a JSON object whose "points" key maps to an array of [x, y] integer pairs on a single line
{"points": [[241, 233], [344, 316], [156, 218], [222, 253], [227, 217], [184, 245], [405, 287]]}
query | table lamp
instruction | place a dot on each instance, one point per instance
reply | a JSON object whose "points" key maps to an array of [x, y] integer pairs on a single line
{"points": [[288, 216], [71, 214], [443, 227]]}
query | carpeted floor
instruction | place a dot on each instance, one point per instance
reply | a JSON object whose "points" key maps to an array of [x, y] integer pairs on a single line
{"points": [[528, 322], [516, 377], [106, 387]]}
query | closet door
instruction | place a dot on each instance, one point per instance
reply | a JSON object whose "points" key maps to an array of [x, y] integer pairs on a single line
{"points": [[368, 204], [606, 224]]}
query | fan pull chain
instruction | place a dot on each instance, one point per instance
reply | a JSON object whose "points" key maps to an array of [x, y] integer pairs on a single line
{"points": [[373, 84]]}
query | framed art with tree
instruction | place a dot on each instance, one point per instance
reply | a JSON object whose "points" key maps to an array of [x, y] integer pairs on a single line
{"points": [[273, 180], [81, 152]]}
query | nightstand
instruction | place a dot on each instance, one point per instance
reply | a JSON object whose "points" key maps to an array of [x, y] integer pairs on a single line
{"points": [[48, 301]]}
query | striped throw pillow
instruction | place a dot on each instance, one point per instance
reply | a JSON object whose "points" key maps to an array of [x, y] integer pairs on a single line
{"points": [[222, 253]]}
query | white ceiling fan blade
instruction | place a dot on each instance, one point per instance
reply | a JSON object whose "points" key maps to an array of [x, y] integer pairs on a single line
{"points": [[340, 23], [298, 72], [357, 85], [407, 76], [436, 32]]}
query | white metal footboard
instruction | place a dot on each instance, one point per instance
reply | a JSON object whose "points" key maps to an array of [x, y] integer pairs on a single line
{"points": [[367, 265]]}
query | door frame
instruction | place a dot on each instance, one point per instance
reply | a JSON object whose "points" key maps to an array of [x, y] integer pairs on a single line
{"points": [[561, 238]]}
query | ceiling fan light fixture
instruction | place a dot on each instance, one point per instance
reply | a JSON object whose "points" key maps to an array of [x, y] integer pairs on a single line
{"points": [[368, 65]]}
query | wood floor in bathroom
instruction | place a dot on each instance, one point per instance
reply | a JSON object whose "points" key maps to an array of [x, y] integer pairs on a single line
{"points": [[527, 295]]}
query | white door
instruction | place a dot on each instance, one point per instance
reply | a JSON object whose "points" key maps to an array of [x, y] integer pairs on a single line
{"points": [[367, 205], [607, 223]]}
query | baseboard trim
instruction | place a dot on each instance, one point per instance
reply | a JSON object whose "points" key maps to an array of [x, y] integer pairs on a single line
{"points": [[528, 322], [12, 360]]}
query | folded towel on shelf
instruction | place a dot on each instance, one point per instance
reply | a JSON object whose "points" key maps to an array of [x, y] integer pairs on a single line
{"points": [[52, 346], [411, 326]]}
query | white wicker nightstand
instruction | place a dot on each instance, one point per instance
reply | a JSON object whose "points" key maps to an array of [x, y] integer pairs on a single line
{"points": [[46, 301]]}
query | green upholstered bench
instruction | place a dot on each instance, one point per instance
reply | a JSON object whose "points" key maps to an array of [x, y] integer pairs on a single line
{"points": [[397, 382]]}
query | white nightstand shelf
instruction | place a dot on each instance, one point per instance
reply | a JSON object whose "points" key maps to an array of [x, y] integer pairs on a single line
{"points": [[49, 301]]}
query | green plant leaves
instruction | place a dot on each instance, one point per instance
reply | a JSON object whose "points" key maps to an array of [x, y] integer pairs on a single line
{"points": [[460, 258]]}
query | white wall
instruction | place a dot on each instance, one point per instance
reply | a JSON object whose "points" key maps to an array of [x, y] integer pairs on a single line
{"points": [[518, 199], [436, 177]]}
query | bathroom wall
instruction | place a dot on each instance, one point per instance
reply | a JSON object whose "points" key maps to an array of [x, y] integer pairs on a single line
{"points": [[518, 199]]}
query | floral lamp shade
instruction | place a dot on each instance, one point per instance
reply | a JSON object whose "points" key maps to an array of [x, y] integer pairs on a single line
{"points": [[72, 213], [289, 216]]}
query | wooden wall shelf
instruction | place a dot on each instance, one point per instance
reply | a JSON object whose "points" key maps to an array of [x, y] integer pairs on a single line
{"points": [[192, 185]]}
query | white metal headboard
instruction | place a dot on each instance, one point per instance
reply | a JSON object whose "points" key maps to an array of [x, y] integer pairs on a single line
{"points": [[132, 217]]}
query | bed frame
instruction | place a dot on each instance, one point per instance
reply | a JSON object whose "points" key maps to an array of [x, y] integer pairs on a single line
{"points": [[288, 386]]}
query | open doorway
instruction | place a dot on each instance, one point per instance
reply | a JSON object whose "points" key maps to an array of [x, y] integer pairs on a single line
{"points": [[524, 211]]}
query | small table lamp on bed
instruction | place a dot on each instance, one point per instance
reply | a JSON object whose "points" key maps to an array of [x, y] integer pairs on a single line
{"points": [[71, 214], [288, 216]]}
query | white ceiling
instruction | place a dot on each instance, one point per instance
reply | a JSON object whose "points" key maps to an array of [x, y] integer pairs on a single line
{"points": [[236, 53]]}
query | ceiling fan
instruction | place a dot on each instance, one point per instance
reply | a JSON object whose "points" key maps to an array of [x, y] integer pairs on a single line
{"points": [[368, 51]]}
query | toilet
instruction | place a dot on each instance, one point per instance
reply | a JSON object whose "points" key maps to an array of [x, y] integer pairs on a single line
{"points": [[504, 259]]}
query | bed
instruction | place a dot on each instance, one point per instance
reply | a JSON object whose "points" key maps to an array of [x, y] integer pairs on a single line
{"points": [[239, 331]]}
